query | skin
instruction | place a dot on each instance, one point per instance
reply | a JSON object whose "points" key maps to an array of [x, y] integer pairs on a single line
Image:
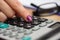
{"points": [[8, 9]]}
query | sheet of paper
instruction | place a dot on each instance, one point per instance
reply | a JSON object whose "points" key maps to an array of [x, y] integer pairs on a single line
{"points": [[37, 2]]}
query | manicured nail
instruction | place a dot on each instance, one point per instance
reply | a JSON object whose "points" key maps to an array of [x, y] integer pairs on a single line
{"points": [[29, 18]]}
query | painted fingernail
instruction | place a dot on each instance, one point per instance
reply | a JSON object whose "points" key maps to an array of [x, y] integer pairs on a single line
{"points": [[29, 18]]}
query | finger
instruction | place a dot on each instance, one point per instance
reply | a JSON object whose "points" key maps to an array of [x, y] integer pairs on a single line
{"points": [[21, 11], [6, 9], [2, 17]]}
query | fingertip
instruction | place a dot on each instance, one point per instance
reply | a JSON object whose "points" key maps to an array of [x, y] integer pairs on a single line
{"points": [[29, 18]]}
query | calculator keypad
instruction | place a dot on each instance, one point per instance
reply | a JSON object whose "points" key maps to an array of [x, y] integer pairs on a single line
{"points": [[18, 28]]}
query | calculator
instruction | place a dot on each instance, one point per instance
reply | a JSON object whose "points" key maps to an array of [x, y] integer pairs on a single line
{"points": [[38, 29]]}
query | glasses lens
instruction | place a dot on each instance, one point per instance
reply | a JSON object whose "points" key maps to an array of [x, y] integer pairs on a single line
{"points": [[48, 5], [49, 8]]}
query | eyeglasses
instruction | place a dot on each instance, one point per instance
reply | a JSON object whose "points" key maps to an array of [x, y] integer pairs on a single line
{"points": [[46, 9]]}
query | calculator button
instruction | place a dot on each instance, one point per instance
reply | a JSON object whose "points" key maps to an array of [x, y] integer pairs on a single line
{"points": [[11, 27], [22, 19], [35, 18], [6, 33], [3, 25], [35, 22], [21, 24], [42, 20], [28, 31], [19, 36], [49, 21], [36, 28], [11, 34], [1, 31], [26, 38], [20, 30], [14, 30], [9, 21], [28, 26], [43, 24]]}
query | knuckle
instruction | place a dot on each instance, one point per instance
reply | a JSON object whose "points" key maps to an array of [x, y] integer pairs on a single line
{"points": [[11, 15], [2, 17]]}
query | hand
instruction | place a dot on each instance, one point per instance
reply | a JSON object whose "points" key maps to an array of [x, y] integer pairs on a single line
{"points": [[11, 8]]}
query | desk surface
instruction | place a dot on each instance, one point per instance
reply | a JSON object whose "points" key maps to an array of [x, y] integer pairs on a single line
{"points": [[53, 17]]}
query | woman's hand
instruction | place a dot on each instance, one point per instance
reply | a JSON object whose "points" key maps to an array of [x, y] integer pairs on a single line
{"points": [[11, 8]]}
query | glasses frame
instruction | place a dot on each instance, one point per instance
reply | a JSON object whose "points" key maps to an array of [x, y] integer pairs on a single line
{"points": [[39, 10]]}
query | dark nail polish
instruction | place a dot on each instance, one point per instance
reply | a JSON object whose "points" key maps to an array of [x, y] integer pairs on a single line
{"points": [[29, 18]]}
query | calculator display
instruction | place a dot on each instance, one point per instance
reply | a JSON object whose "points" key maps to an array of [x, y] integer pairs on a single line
{"points": [[56, 25]]}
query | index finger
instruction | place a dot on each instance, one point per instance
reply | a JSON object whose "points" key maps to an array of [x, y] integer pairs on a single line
{"points": [[17, 6]]}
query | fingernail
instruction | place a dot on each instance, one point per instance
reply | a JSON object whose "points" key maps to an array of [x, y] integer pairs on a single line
{"points": [[29, 18]]}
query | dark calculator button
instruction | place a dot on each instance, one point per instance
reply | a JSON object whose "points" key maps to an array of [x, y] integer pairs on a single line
{"points": [[12, 21], [42, 20], [20, 24], [28, 26], [18, 19], [9, 21], [35, 22], [21, 20], [35, 18]]}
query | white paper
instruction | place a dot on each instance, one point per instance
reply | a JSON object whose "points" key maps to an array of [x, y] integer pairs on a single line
{"points": [[37, 2]]}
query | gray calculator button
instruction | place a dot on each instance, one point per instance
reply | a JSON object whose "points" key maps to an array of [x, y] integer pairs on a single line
{"points": [[43, 24], [6, 33], [49, 21], [11, 35], [19, 36], [11, 27], [1, 31], [20, 30], [14, 30], [36, 28], [28, 26], [28, 31]]}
